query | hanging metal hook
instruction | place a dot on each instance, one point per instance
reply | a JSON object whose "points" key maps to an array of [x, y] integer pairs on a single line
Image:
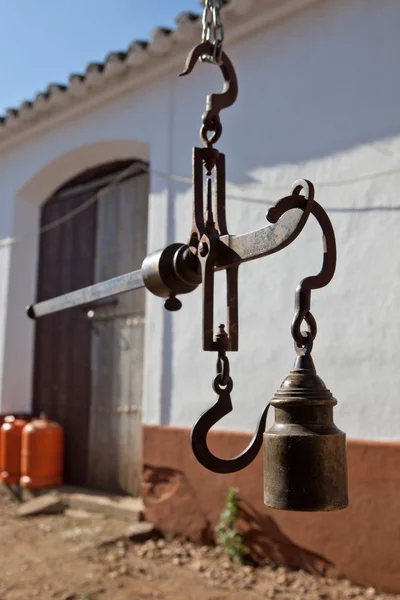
{"points": [[215, 102], [314, 282], [208, 419]]}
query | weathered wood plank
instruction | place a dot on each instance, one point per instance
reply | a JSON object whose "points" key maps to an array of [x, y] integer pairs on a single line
{"points": [[115, 432]]}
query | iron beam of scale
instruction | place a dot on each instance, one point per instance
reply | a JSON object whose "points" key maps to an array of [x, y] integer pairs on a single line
{"points": [[87, 295], [176, 270]]}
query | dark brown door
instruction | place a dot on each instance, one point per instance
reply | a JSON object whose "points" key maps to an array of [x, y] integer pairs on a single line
{"points": [[62, 374], [88, 372]]}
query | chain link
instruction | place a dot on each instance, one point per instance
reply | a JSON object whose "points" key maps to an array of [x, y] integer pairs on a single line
{"points": [[223, 368], [213, 30], [304, 340]]}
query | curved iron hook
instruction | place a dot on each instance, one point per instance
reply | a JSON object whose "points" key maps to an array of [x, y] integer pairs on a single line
{"points": [[314, 282], [220, 409], [215, 102], [223, 405]]}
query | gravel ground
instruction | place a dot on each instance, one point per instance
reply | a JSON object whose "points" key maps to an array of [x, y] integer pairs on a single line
{"points": [[83, 556]]}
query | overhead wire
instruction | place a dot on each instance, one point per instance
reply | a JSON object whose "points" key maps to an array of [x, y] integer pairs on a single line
{"points": [[10, 241], [329, 183]]}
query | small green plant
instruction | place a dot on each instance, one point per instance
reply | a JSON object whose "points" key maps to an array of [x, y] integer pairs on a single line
{"points": [[227, 534]]}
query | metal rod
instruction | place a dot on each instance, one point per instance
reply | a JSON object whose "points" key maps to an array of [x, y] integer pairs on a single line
{"points": [[104, 289], [287, 220]]}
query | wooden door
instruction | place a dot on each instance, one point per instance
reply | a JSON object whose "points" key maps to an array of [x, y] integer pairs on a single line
{"points": [[117, 342], [88, 372], [62, 371]]}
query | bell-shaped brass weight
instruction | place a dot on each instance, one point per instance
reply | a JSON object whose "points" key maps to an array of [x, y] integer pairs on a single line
{"points": [[305, 465]]}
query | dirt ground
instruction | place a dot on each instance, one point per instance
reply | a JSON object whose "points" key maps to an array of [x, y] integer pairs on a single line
{"points": [[83, 556]]}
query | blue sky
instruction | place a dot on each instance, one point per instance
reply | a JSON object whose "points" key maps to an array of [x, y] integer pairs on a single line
{"points": [[43, 41]]}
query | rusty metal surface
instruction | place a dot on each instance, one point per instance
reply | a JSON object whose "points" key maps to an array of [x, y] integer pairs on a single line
{"points": [[314, 282], [305, 463], [209, 418], [233, 251], [288, 218], [304, 452], [215, 102]]}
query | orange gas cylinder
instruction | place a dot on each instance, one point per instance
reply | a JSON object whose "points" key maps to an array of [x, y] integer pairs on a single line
{"points": [[1, 423], [10, 449], [42, 454]]}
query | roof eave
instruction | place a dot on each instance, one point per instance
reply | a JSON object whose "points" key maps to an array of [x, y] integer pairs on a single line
{"points": [[123, 72]]}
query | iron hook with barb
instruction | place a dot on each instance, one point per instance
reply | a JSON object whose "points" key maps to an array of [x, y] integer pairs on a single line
{"points": [[215, 102]]}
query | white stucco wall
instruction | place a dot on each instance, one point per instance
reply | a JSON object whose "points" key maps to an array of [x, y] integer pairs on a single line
{"points": [[318, 98]]}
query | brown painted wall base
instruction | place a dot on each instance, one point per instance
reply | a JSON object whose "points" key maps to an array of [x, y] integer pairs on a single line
{"points": [[361, 542]]}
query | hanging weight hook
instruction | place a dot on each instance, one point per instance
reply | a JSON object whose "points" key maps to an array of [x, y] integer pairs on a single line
{"points": [[303, 292], [215, 102], [221, 408]]}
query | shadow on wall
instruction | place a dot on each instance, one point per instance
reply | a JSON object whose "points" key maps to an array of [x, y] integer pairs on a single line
{"points": [[362, 542], [266, 541], [172, 505]]}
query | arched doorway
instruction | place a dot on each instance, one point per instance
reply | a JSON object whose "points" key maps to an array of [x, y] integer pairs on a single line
{"points": [[89, 361]]}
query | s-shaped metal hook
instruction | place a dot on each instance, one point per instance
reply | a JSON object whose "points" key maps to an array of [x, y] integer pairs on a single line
{"points": [[215, 102], [314, 282]]}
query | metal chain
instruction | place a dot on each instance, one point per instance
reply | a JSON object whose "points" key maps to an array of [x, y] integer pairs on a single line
{"points": [[304, 340], [213, 30], [223, 368]]}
